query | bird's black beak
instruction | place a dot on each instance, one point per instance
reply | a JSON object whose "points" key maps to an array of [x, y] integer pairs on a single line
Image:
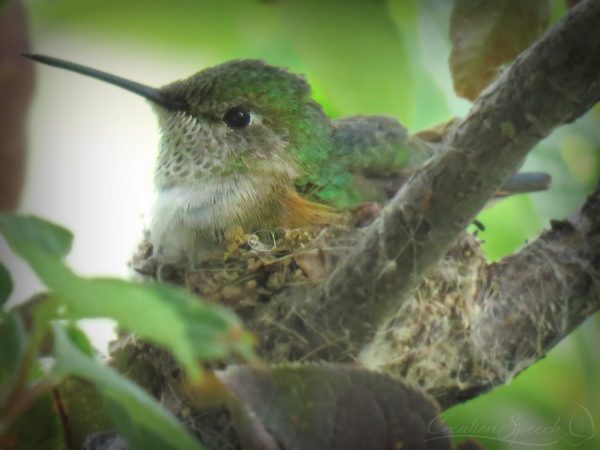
{"points": [[152, 94]]}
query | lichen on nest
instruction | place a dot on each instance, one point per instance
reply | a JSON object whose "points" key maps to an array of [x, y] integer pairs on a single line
{"points": [[251, 267], [421, 342]]}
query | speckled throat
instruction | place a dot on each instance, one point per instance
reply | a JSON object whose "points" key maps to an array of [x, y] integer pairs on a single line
{"points": [[206, 188]]}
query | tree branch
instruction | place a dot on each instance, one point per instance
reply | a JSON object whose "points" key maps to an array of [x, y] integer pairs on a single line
{"points": [[552, 83], [534, 299], [493, 321]]}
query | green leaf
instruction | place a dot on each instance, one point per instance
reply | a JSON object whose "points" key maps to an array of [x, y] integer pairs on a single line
{"points": [[12, 343], [25, 232], [6, 284], [137, 416], [80, 340], [37, 428], [171, 317], [84, 408], [307, 407], [486, 34], [214, 330], [355, 54], [40, 427], [190, 329]]}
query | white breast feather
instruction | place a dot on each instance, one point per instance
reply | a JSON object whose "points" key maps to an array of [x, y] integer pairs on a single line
{"points": [[185, 217]]}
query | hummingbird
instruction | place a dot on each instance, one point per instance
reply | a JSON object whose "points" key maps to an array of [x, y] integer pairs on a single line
{"points": [[244, 145]]}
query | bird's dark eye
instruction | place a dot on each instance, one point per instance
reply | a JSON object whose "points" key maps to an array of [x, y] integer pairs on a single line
{"points": [[237, 117]]}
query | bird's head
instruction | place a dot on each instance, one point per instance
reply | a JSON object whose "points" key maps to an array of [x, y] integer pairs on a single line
{"points": [[241, 118]]}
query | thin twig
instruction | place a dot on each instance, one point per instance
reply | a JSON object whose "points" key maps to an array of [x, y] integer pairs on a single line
{"points": [[64, 420]]}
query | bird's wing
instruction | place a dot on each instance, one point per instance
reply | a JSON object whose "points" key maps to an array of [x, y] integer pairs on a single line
{"points": [[379, 153], [376, 145]]}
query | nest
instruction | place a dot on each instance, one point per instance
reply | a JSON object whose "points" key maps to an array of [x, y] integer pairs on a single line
{"points": [[267, 277], [421, 342], [251, 268]]}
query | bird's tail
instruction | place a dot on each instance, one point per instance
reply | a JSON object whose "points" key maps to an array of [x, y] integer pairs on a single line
{"points": [[524, 182]]}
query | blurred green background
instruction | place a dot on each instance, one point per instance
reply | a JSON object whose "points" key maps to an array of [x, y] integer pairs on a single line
{"points": [[93, 146]]}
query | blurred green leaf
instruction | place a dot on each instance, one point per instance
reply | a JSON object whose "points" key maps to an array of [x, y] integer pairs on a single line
{"points": [[214, 330], [307, 407], [84, 408], [167, 316], [137, 416], [78, 338], [37, 428], [12, 342], [353, 49], [24, 233], [6, 284], [488, 33]]}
